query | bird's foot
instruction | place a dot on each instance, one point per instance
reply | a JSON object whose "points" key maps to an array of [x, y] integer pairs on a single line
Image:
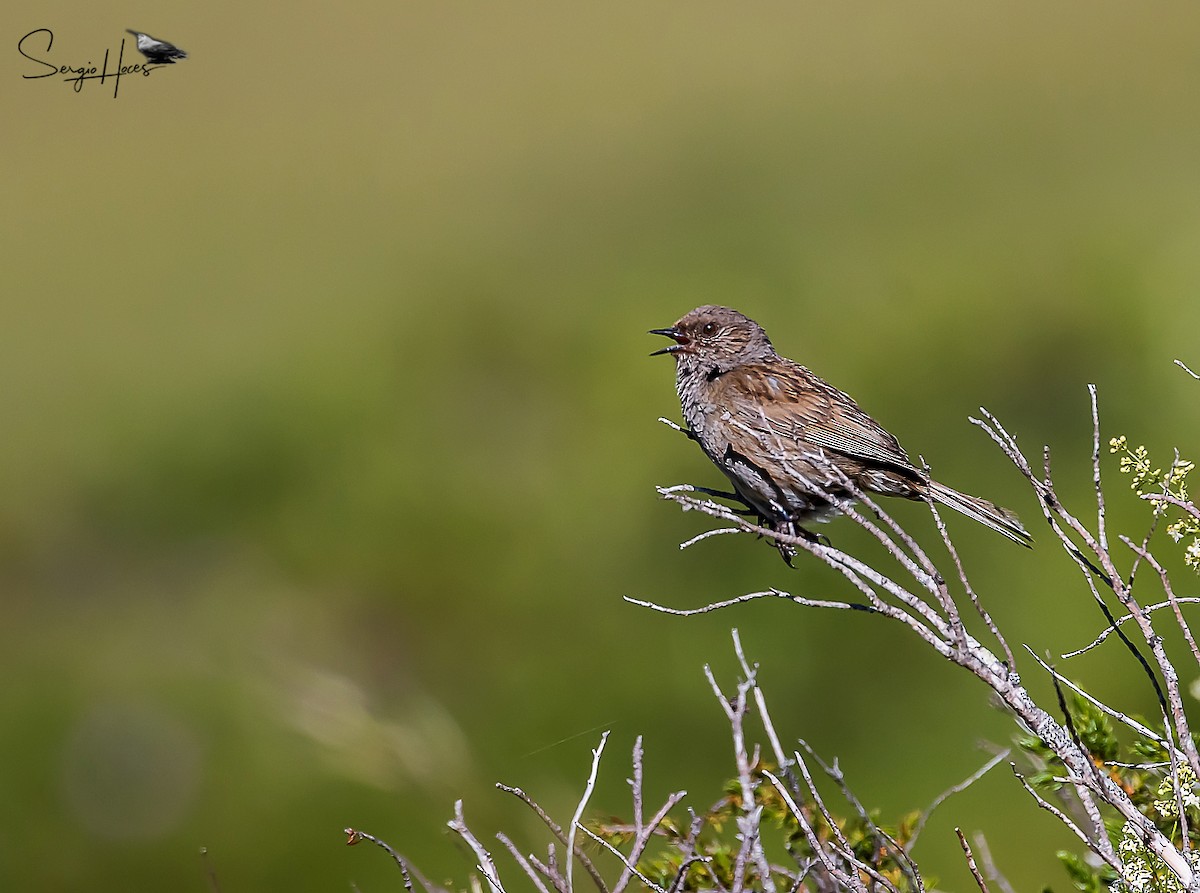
{"points": [[788, 551], [812, 536]]}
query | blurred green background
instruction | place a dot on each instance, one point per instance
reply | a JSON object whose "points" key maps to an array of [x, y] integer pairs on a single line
{"points": [[330, 436]]}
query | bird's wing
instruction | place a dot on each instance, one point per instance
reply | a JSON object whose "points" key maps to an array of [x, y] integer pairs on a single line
{"points": [[798, 406]]}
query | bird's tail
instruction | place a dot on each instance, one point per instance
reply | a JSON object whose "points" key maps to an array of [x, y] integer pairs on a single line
{"points": [[986, 513]]}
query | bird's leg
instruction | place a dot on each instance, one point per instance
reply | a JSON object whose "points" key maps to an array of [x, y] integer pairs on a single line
{"points": [[746, 511], [787, 527], [722, 494]]}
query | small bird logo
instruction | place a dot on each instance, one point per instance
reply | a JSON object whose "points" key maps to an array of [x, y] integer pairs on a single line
{"points": [[157, 51]]}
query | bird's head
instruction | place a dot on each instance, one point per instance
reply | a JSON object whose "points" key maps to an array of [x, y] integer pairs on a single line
{"points": [[717, 336]]}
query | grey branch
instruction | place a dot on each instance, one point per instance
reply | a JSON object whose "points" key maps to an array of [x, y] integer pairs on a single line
{"points": [[966, 848], [486, 866], [587, 794], [1149, 609]]}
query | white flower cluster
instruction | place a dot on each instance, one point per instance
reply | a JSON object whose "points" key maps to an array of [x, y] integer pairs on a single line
{"points": [[1145, 872]]}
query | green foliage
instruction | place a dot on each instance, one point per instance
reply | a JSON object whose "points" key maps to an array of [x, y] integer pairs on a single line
{"points": [[1083, 878], [1142, 768], [1147, 479]]}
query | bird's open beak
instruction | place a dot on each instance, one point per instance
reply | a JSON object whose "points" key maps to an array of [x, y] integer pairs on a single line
{"points": [[681, 340]]}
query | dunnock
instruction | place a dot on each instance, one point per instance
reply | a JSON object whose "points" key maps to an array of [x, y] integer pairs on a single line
{"points": [[785, 438]]}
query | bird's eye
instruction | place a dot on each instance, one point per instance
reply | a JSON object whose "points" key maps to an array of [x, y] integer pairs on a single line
{"points": [[709, 328]]}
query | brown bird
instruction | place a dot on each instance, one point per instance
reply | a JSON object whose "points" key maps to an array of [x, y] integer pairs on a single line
{"points": [[785, 438]]}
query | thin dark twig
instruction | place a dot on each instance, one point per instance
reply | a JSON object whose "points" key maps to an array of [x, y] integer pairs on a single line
{"points": [[1085, 797], [353, 836], [1056, 511], [1172, 600], [1143, 730], [683, 870], [1170, 701]]}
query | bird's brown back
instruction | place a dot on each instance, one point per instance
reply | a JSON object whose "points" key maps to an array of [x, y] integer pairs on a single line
{"points": [[796, 405]]}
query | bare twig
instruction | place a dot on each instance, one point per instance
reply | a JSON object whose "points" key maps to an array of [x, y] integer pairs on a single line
{"points": [[1148, 609], [952, 790], [1138, 727], [353, 836], [969, 589], [1173, 600], [748, 597], [687, 850], [486, 866], [1111, 859], [587, 795], [708, 534], [1171, 499], [850, 880], [989, 865], [883, 840], [1101, 530], [1085, 792], [760, 701], [629, 865], [642, 840], [748, 819], [549, 870], [966, 848], [529, 870], [558, 833], [1181, 813]]}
